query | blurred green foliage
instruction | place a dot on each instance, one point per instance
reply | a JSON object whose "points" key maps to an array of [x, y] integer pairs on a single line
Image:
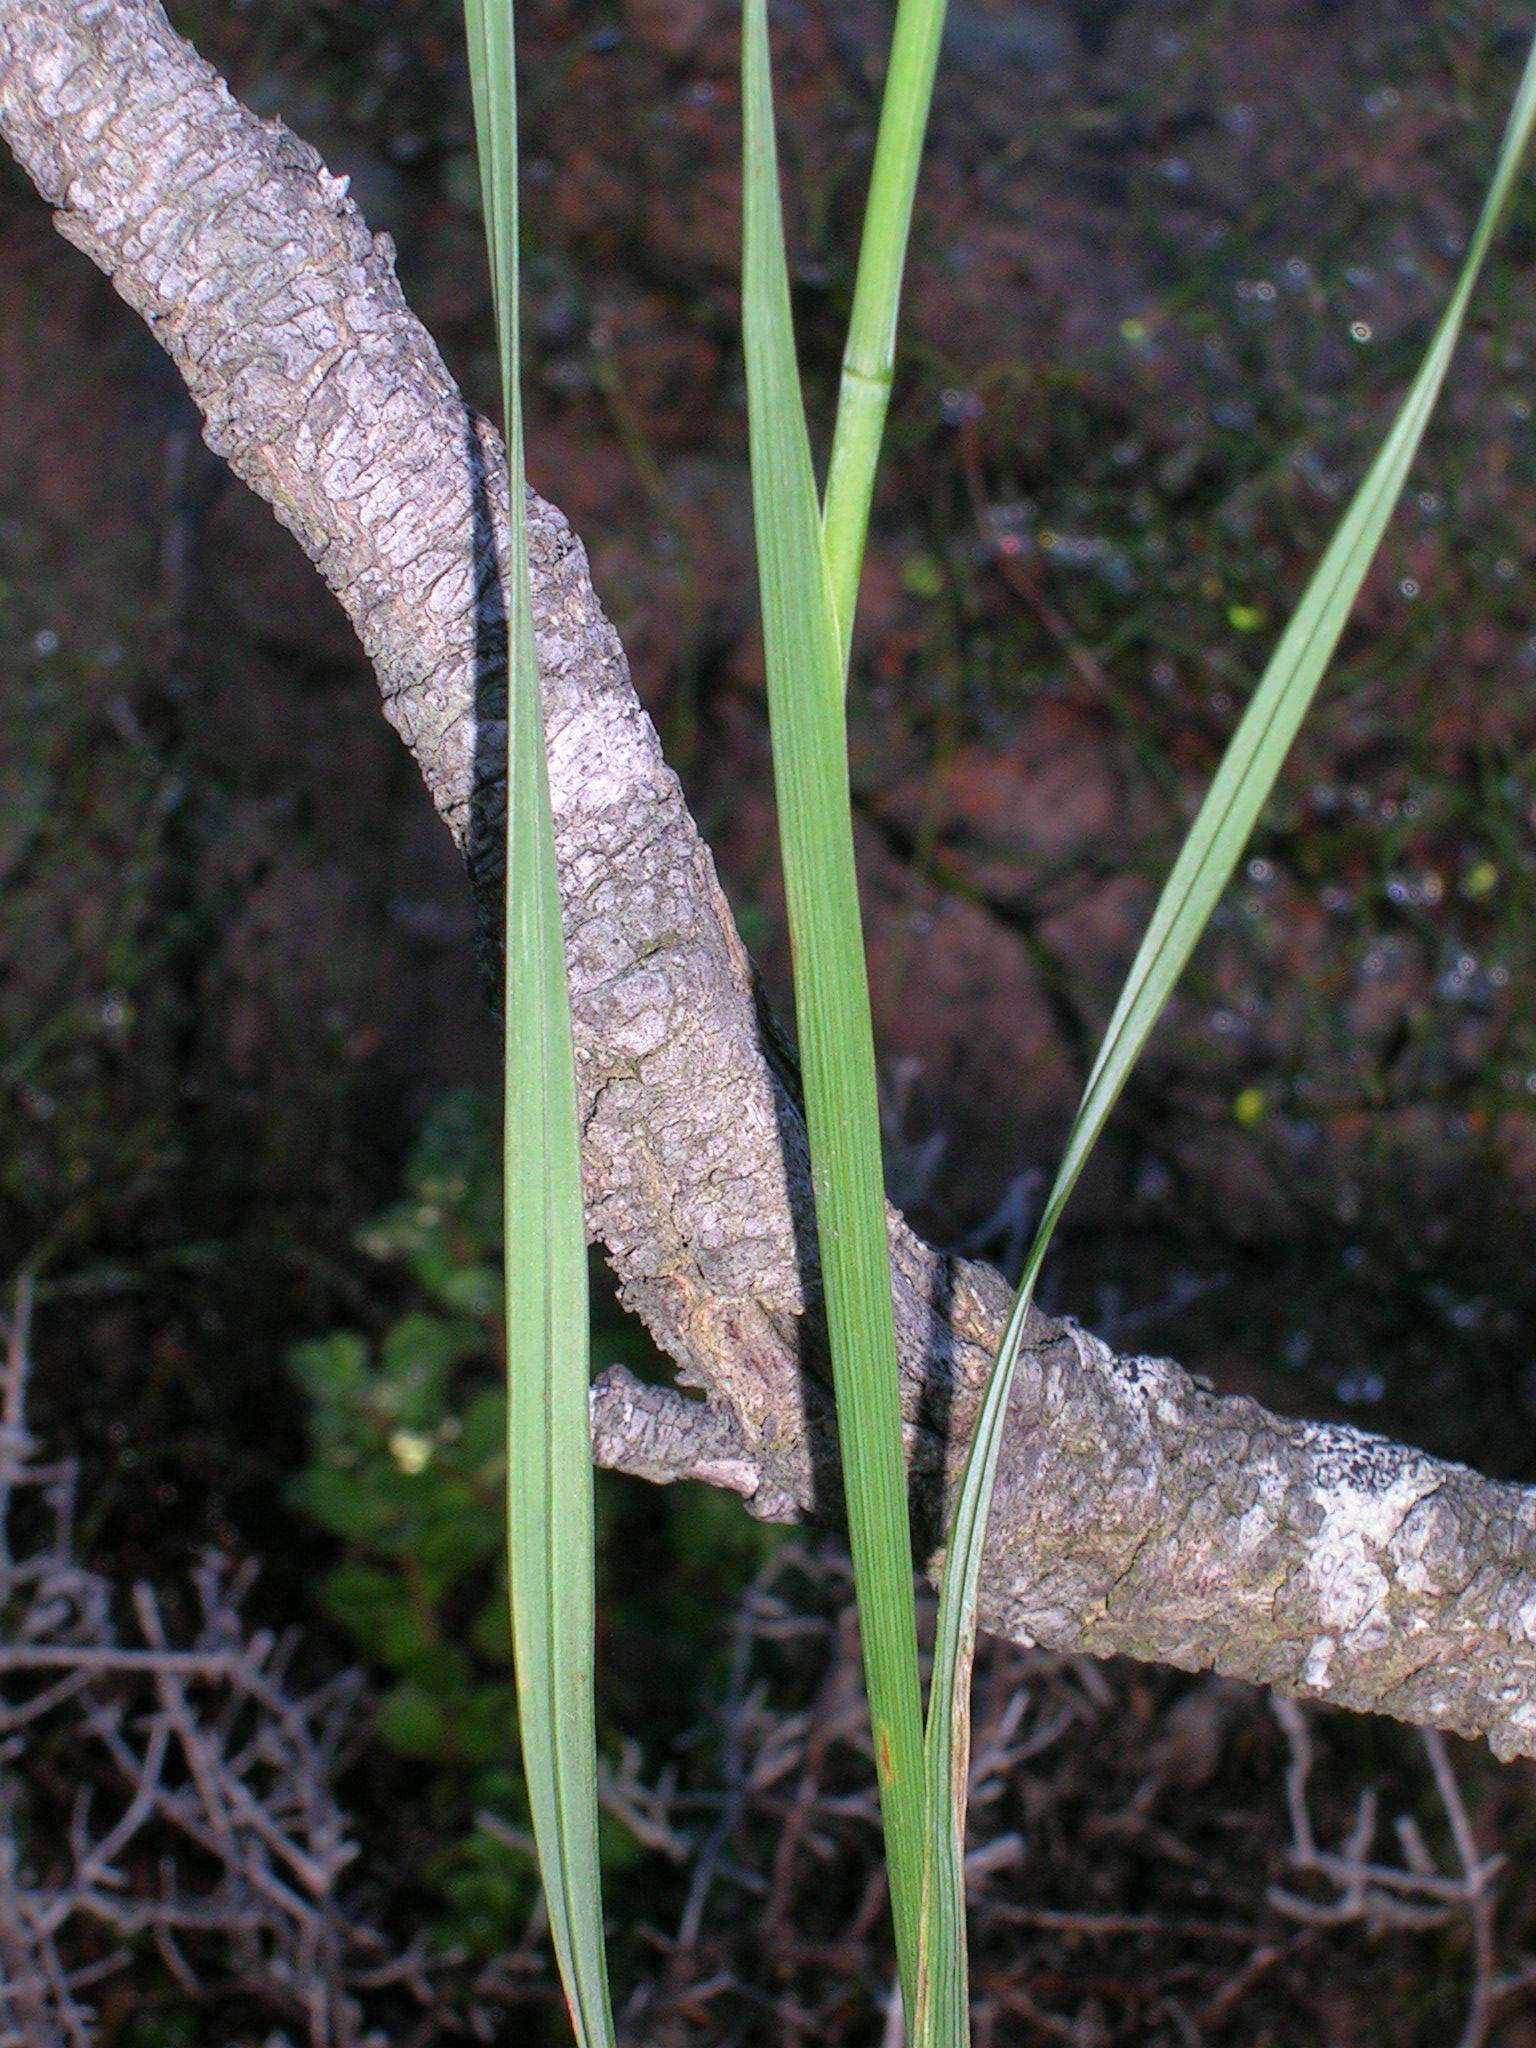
{"points": [[406, 1469]]}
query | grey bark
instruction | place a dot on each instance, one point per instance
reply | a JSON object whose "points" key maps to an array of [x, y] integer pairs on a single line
{"points": [[1135, 1512]]}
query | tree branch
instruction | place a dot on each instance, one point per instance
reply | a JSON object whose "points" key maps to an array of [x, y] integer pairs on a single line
{"points": [[1135, 1512]]}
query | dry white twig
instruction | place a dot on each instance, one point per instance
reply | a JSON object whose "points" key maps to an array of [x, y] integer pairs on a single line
{"points": [[1410, 1897], [203, 1764]]}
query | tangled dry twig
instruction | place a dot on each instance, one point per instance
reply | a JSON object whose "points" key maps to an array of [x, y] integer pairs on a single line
{"points": [[1415, 1895], [1145, 1862], [204, 1820]]}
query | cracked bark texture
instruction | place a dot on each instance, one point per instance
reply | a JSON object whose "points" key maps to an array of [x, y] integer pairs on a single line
{"points": [[1135, 1512]]}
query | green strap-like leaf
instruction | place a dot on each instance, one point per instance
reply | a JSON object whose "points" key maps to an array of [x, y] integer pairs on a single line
{"points": [[810, 763], [870, 357], [549, 1460], [1211, 851]]}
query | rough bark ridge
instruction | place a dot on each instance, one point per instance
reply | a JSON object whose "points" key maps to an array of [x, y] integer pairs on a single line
{"points": [[1135, 1513]]}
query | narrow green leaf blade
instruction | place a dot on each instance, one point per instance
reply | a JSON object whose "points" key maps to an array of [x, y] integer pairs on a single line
{"points": [[810, 759], [870, 357], [549, 1462], [1205, 863]]}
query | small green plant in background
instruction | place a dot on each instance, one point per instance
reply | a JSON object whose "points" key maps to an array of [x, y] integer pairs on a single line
{"points": [[407, 1471], [408, 1463]]}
